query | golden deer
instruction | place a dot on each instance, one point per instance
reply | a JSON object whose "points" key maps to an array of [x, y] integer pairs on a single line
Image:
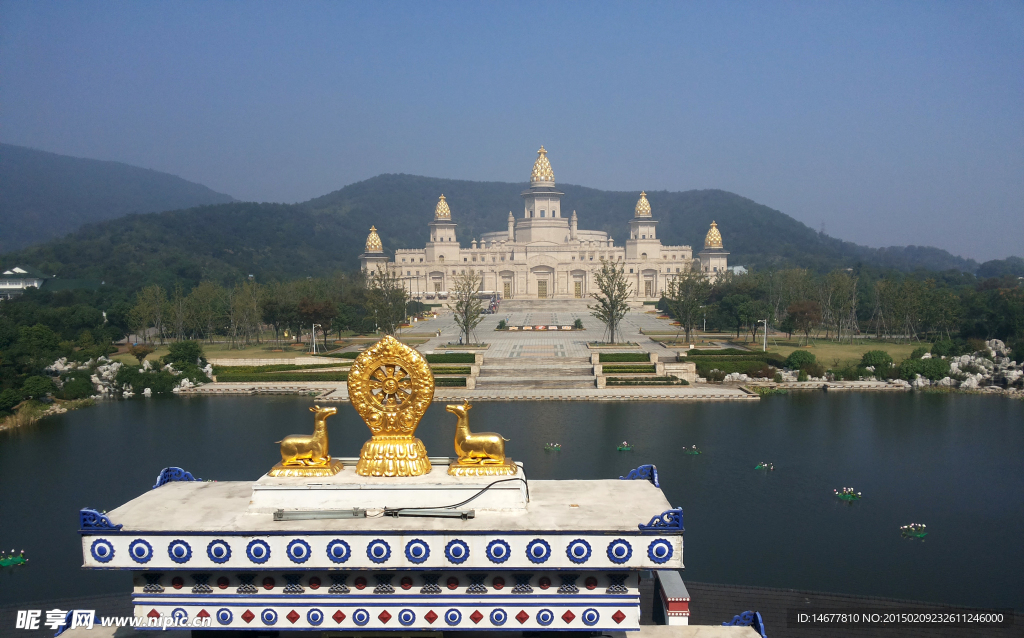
{"points": [[484, 448], [308, 449]]}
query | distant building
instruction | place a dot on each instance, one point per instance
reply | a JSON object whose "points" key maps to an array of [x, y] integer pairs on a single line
{"points": [[543, 254], [13, 282]]}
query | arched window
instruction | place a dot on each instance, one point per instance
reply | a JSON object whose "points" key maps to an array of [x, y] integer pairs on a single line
{"points": [[440, 258], [643, 255], [541, 213]]}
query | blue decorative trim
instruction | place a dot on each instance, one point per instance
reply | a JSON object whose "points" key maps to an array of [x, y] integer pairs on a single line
{"points": [[299, 551], [378, 551], [618, 585], [64, 626], [430, 585], [140, 551], [384, 585], [578, 551], [294, 585], [748, 619], [224, 616], [218, 551], [453, 617], [245, 585], [202, 584], [669, 520], [152, 583], [660, 551], [406, 617], [590, 617], [498, 617], [258, 551], [179, 551], [645, 472], [456, 552], [92, 520], [568, 585], [314, 616], [498, 551], [179, 614], [338, 579], [538, 551], [338, 551], [522, 583], [620, 551], [417, 551], [545, 617], [268, 616], [169, 474], [361, 617], [102, 550], [476, 583]]}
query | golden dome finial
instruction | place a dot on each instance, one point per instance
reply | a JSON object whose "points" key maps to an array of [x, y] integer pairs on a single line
{"points": [[542, 169], [373, 244], [643, 207], [442, 211], [714, 238]]}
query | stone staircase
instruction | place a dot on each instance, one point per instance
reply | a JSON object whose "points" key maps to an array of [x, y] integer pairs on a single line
{"points": [[535, 372]]}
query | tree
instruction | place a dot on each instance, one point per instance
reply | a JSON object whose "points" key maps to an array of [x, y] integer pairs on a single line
{"points": [[148, 311], [686, 295], [207, 307], [178, 311], [467, 307], [140, 352], [385, 299], [184, 353], [806, 314], [735, 307], [612, 296], [37, 387]]}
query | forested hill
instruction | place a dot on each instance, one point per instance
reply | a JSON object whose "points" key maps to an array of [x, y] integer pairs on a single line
{"points": [[45, 195], [277, 241]]}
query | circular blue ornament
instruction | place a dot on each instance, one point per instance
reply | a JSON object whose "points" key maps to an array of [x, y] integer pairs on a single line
{"points": [[179, 551], [224, 616], [456, 552], [268, 616], [102, 550], [338, 551], [218, 551], [361, 617], [417, 551], [498, 617], [298, 551], [179, 614], [258, 551], [314, 616], [545, 617], [538, 551], [406, 617], [578, 551], [498, 551], [140, 551], [660, 551], [590, 617], [619, 551], [378, 551], [453, 617]]}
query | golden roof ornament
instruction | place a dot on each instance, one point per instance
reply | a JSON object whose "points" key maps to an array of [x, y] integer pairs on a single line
{"points": [[542, 168], [373, 244], [714, 238], [643, 207], [479, 453], [442, 211], [305, 455], [390, 385]]}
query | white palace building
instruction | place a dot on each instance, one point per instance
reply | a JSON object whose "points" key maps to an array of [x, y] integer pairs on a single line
{"points": [[543, 254]]}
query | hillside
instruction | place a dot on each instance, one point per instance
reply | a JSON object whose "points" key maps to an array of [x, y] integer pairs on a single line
{"points": [[277, 241], [45, 195]]}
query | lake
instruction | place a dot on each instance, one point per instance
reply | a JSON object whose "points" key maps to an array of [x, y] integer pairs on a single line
{"points": [[953, 462]]}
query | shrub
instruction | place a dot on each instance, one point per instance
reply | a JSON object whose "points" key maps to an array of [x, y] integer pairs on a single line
{"points": [[1016, 346], [452, 357], [502, 325], [876, 358], [648, 369], [182, 352], [8, 399], [140, 351], [452, 370], [919, 352], [798, 359], [933, 369], [976, 345], [761, 371], [76, 388], [949, 348], [451, 381], [778, 377], [814, 370], [578, 324], [715, 375], [282, 376], [614, 357], [802, 376], [37, 387]]}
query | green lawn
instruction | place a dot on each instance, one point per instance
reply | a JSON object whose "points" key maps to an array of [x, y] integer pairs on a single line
{"points": [[827, 352]]}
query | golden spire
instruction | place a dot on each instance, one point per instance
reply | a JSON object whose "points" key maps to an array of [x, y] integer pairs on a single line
{"points": [[643, 207], [373, 244], [542, 168], [442, 211], [714, 238]]}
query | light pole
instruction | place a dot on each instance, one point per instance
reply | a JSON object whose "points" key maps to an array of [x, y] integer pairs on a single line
{"points": [[765, 322], [312, 337]]}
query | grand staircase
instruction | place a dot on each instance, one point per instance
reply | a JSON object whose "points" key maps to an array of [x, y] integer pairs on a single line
{"points": [[535, 372]]}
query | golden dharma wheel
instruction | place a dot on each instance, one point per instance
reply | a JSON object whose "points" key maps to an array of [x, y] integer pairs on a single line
{"points": [[390, 385]]}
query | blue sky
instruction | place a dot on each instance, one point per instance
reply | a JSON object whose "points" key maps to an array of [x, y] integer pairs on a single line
{"points": [[890, 123]]}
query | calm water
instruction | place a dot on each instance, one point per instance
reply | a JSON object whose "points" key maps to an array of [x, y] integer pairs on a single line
{"points": [[952, 462]]}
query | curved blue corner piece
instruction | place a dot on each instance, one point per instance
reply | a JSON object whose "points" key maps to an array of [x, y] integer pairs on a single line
{"points": [[667, 521], [648, 472], [67, 623], [169, 474], [92, 520], [748, 619]]}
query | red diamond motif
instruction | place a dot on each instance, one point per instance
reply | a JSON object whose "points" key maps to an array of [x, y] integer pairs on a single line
{"points": [[338, 616], [384, 616], [618, 617], [292, 616], [153, 613], [203, 614], [568, 616], [476, 616], [430, 617], [248, 616], [522, 616]]}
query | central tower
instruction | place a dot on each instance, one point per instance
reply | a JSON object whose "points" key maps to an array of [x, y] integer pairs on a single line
{"points": [[542, 207]]}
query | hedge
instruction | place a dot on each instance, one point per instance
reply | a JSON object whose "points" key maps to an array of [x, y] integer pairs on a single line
{"points": [[452, 357], [648, 369], [613, 357], [645, 381], [450, 381], [312, 376], [765, 357], [728, 366], [281, 367], [452, 370], [339, 355], [726, 352]]}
